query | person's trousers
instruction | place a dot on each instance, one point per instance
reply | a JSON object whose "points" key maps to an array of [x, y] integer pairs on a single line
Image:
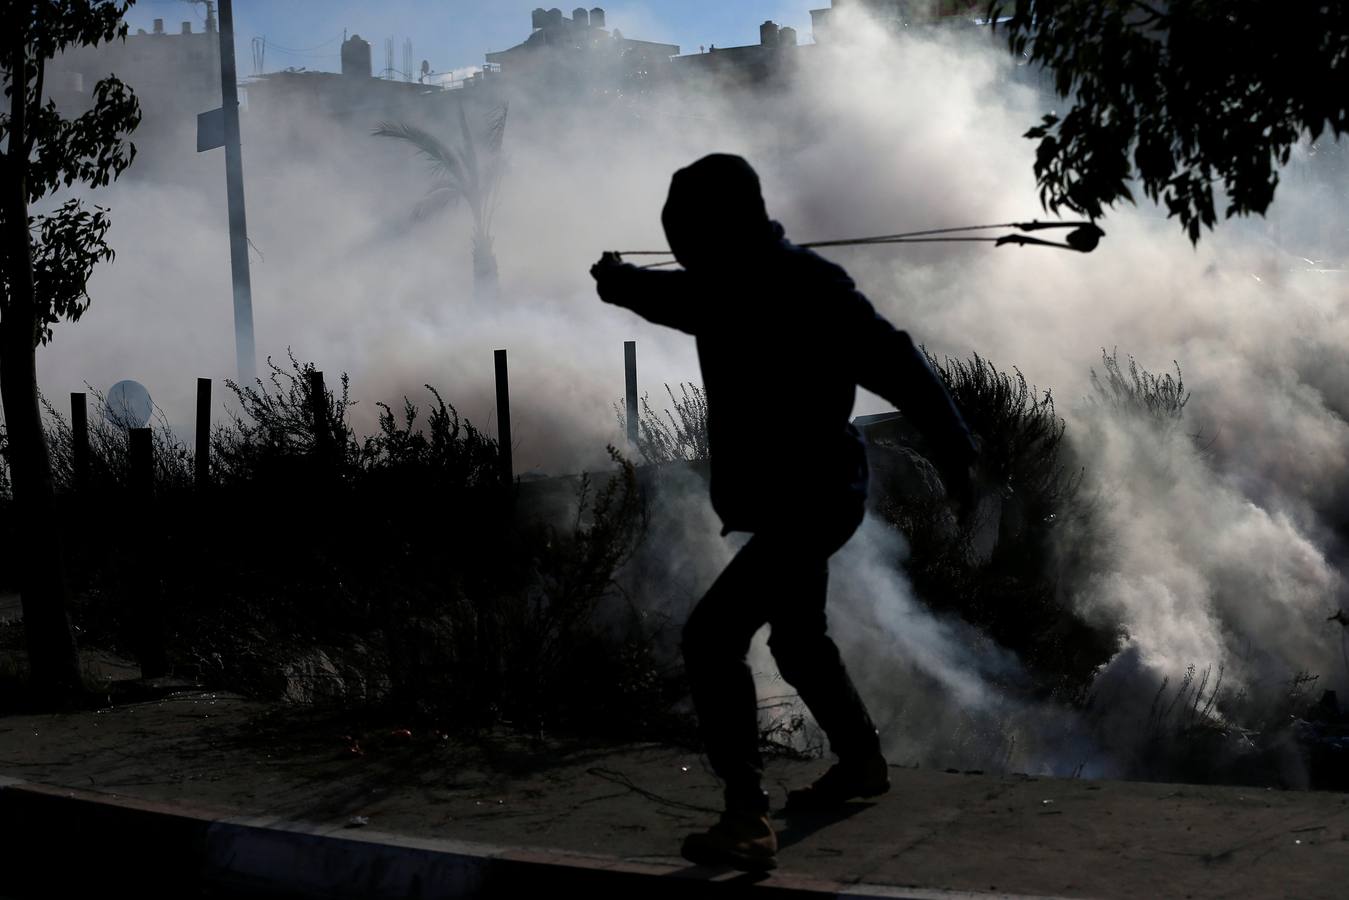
{"points": [[780, 578]]}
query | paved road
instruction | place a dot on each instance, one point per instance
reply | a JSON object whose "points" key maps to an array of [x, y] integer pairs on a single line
{"points": [[211, 756]]}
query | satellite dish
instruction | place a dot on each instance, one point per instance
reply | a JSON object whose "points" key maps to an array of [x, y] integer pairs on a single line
{"points": [[128, 405], [426, 67]]}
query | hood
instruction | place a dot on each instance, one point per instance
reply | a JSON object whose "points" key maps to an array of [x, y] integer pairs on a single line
{"points": [[715, 213]]}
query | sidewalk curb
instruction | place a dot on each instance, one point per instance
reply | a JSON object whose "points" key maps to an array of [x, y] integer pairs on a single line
{"points": [[60, 840]]}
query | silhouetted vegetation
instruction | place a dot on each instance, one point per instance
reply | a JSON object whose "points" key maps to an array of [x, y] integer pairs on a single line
{"points": [[675, 434], [108, 455], [397, 571], [1198, 102], [1141, 393], [1202, 731], [5, 489], [1004, 570]]}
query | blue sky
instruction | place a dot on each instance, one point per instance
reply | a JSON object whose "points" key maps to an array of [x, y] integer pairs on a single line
{"points": [[454, 34]]}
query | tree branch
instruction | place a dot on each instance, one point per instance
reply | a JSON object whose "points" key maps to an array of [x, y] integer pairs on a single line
{"points": [[1154, 15], [18, 114], [37, 103], [12, 174]]}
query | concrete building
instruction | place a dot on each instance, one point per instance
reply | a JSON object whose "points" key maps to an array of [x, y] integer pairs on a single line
{"points": [[751, 66], [580, 54], [353, 95], [898, 13], [175, 75]]}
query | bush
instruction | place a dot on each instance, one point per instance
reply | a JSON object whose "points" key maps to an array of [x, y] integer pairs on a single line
{"points": [[560, 655], [7, 517], [6, 490], [1022, 450], [1005, 569], [451, 452], [1140, 394], [108, 457], [1201, 734], [397, 569], [277, 427], [678, 435]]}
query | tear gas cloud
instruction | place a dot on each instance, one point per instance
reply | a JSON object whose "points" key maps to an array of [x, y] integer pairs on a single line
{"points": [[1219, 551]]}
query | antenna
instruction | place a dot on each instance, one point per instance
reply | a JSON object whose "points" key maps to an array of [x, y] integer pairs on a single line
{"points": [[210, 13], [259, 55], [388, 58], [407, 59]]}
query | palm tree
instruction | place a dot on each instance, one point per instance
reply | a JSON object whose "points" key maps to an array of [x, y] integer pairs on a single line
{"points": [[471, 172]]}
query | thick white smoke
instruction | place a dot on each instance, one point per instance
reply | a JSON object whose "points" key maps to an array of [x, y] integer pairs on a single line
{"points": [[1217, 552]]}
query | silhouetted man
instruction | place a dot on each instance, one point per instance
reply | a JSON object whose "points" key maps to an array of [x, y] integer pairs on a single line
{"points": [[784, 338]]}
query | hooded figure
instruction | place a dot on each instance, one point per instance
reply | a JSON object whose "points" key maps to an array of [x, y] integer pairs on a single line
{"points": [[784, 340]]}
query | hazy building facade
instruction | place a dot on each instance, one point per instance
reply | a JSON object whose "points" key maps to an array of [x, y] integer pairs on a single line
{"points": [[760, 65], [175, 75], [897, 13], [579, 53], [353, 95]]}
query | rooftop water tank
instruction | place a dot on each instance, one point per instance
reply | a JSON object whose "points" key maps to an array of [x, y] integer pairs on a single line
{"points": [[356, 57]]}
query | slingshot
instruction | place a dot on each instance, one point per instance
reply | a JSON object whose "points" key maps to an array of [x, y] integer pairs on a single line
{"points": [[1083, 238]]}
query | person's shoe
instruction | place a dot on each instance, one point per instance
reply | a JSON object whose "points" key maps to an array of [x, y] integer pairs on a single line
{"points": [[742, 840], [843, 782]]}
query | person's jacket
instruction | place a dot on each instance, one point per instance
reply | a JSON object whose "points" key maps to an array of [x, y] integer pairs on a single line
{"points": [[784, 340]]}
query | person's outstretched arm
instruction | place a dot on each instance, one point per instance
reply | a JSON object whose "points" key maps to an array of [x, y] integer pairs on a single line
{"points": [[889, 364], [665, 298]]}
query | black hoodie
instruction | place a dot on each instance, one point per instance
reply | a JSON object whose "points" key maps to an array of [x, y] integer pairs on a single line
{"points": [[784, 339]]}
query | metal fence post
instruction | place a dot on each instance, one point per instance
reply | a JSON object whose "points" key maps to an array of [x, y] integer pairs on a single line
{"points": [[504, 417], [318, 408], [149, 616], [79, 451], [203, 457], [630, 382]]}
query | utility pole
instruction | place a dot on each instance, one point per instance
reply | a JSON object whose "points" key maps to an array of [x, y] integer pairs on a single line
{"points": [[220, 127]]}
